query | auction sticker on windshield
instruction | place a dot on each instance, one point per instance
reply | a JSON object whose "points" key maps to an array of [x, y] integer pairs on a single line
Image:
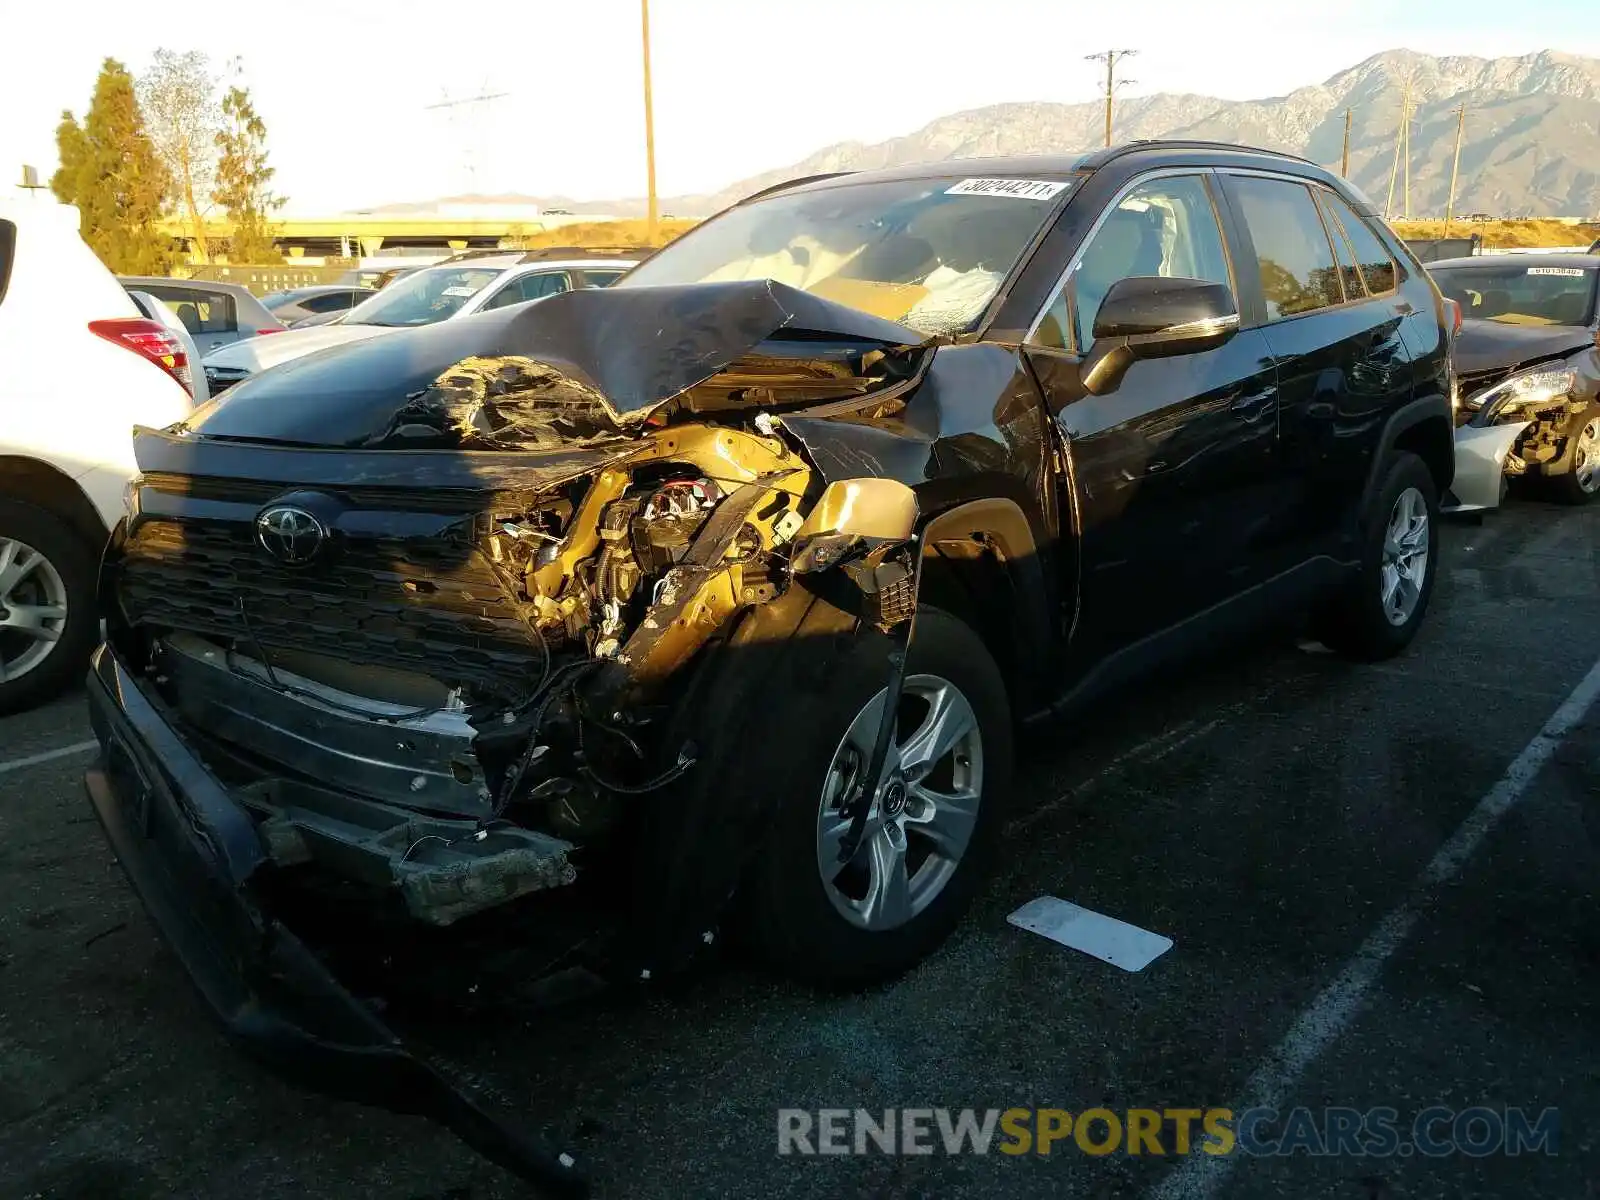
{"points": [[1022, 189], [459, 291], [1565, 272]]}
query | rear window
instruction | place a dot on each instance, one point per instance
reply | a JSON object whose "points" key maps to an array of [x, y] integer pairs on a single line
{"points": [[8, 251], [200, 311], [599, 278]]}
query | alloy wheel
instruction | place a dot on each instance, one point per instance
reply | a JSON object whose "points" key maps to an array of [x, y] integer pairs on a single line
{"points": [[1405, 556], [921, 813], [1586, 458], [33, 608]]}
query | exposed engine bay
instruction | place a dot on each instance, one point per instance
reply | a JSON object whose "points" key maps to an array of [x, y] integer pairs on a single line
{"points": [[464, 712]]}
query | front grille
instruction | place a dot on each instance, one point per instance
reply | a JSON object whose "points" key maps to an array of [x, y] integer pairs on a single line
{"points": [[429, 604]]}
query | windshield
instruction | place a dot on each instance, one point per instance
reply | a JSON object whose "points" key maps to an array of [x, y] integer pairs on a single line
{"points": [[1517, 294], [423, 298], [929, 253]]}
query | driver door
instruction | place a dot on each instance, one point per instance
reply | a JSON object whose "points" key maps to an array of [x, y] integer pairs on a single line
{"points": [[1174, 469]]}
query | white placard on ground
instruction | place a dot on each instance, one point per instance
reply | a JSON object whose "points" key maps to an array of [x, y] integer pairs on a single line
{"points": [[1106, 938]]}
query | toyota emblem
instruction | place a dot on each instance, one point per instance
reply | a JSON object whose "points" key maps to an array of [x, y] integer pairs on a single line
{"points": [[291, 535]]}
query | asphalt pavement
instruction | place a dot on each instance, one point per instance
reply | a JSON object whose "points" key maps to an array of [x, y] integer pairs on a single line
{"points": [[1380, 881]]}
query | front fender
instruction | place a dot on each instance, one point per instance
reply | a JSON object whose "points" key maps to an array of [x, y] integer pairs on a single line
{"points": [[1480, 465]]}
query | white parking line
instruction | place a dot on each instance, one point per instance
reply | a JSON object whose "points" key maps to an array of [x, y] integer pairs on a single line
{"points": [[33, 760], [1200, 1175]]}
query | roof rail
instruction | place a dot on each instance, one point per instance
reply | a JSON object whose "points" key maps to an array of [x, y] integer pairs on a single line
{"points": [[796, 182], [547, 253], [1101, 157], [464, 255]]}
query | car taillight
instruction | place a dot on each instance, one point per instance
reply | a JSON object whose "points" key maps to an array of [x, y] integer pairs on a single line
{"points": [[149, 340], [1455, 316]]}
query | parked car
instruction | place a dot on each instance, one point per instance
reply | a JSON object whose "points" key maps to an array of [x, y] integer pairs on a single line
{"points": [[152, 308], [79, 366], [215, 314], [430, 295], [716, 593], [1528, 363], [298, 304]]}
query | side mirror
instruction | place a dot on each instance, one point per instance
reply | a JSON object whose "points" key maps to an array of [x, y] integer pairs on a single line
{"points": [[1155, 317]]}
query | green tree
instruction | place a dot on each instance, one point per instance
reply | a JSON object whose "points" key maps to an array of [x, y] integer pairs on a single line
{"points": [[111, 171], [244, 180]]}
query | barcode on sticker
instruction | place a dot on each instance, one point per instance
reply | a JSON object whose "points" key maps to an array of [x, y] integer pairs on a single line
{"points": [[1021, 189], [1564, 272]]}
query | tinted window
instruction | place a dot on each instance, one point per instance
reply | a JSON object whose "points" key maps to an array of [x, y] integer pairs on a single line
{"points": [[547, 283], [1166, 227], [1349, 272], [600, 278], [8, 250], [529, 287], [1377, 267], [332, 301], [200, 312], [1298, 274]]}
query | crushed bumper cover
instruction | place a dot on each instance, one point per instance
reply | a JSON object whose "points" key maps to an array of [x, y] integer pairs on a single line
{"points": [[1481, 452], [190, 852]]}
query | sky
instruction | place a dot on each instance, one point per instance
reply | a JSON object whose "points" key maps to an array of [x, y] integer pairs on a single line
{"points": [[740, 87]]}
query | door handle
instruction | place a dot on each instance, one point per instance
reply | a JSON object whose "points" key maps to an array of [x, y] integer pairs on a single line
{"points": [[1252, 406]]}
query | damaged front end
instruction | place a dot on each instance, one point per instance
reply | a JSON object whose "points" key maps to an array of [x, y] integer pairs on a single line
{"points": [[1518, 416], [426, 625]]}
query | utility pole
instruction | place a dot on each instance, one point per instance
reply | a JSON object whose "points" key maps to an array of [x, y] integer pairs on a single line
{"points": [[649, 129], [1455, 167], [1399, 142], [1110, 58], [1344, 160], [1407, 152]]}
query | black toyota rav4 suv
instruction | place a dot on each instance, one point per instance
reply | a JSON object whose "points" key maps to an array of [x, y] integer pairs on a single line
{"points": [[710, 600]]}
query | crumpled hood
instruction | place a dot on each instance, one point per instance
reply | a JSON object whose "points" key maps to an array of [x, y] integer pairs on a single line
{"points": [[1492, 345], [260, 352], [581, 366]]}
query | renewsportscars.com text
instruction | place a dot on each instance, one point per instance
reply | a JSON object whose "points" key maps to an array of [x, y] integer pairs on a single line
{"points": [[1261, 1132]]}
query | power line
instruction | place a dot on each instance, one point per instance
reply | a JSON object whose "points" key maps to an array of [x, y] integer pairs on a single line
{"points": [[1110, 58], [457, 109]]}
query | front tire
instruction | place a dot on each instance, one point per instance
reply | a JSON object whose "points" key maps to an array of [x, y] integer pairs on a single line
{"points": [[930, 834], [48, 622], [1380, 611], [1580, 482]]}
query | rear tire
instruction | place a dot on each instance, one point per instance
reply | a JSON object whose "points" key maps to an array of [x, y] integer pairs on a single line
{"points": [[806, 924], [1379, 612], [48, 619], [1580, 482]]}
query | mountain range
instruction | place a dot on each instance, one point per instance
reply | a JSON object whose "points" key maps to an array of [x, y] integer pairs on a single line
{"points": [[1530, 145]]}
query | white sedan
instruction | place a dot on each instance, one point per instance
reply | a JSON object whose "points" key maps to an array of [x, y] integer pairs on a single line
{"points": [[439, 293]]}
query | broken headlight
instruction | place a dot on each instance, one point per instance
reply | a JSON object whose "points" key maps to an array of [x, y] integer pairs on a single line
{"points": [[1528, 390]]}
